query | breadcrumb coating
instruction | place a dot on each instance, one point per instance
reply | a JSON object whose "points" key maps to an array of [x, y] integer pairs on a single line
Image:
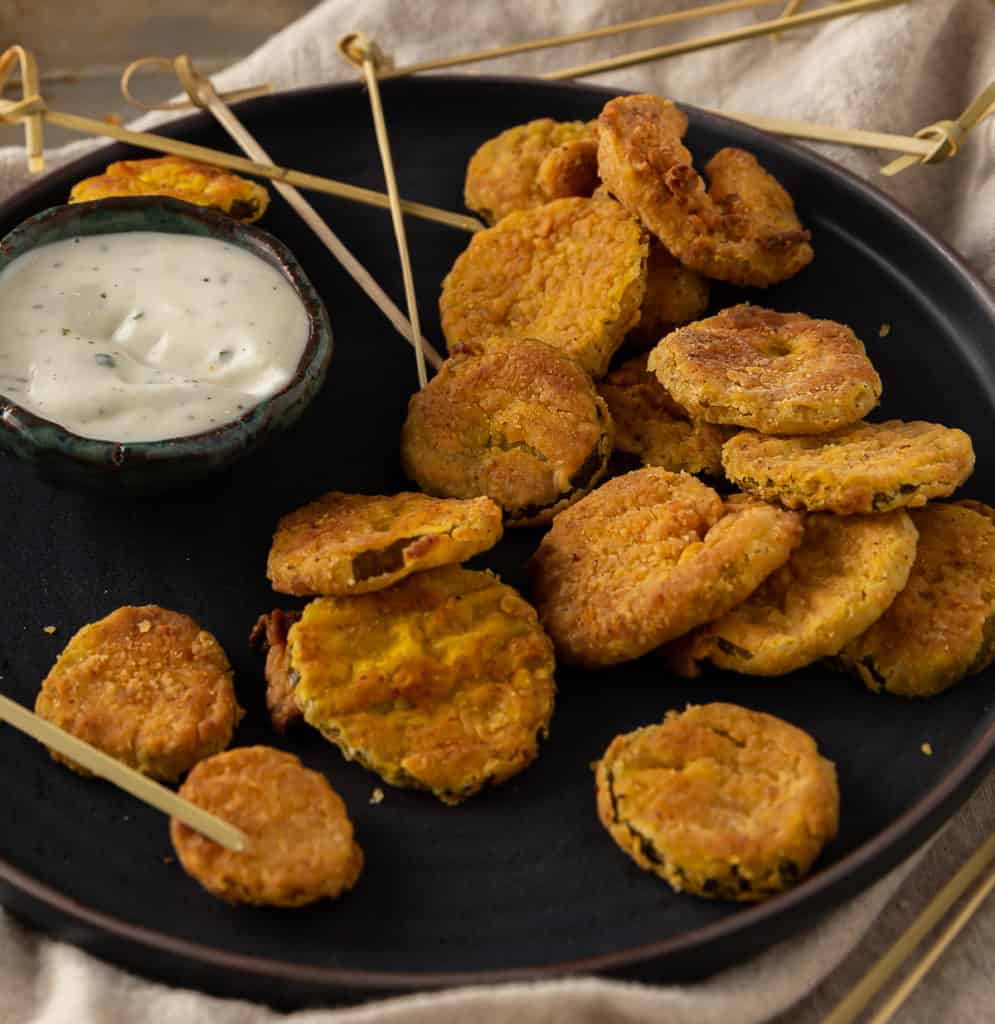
{"points": [[571, 273], [868, 467], [778, 373], [301, 845], [719, 801]]}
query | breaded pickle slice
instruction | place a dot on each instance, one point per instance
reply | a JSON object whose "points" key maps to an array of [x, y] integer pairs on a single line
{"points": [[869, 467], [743, 230], [941, 627], [443, 682], [147, 686], [571, 273], [675, 295], [837, 582], [514, 420], [178, 178], [778, 373], [650, 424], [646, 558], [531, 164], [269, 634], [719, 801], [301, 845], [355, 543]]}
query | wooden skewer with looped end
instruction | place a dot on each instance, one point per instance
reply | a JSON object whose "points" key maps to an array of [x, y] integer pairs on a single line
{"points": [[202, 94], [361, 51], [109, 768], [33, 106], [30, 107]]}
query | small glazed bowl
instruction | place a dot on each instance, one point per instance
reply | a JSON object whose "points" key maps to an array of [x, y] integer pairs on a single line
{"points": [[155, 466]]}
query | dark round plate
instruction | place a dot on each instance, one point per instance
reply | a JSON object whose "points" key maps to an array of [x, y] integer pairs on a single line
{"points": [[522, 881]]}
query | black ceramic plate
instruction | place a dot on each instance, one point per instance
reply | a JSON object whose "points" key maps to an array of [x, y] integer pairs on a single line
{"points": [[521, 881]]}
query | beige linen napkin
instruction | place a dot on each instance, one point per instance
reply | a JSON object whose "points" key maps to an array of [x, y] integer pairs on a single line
{"points": [[894, 70]]}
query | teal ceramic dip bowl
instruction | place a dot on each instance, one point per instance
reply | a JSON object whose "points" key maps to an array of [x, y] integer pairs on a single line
{"points": [[151, 466]]}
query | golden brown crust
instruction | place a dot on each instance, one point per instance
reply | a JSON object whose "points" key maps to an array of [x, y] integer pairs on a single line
{"points": [[778, 373], [941, 627], [301, 845], [869, 467], [516, 421], [357, 543], [675, 295], [529, 165], [647, 557], [269, 634], [147, 686], [443, 682], [719, 801], [838, 582], [650, 424], [571, 273], [744, 231], [178, 178]]}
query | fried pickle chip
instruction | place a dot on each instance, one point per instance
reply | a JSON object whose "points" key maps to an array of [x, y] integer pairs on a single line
{"points": [[301, 845], [837, 582], [941, 627], [650, 424], [571, 273], [529, 165], [646, 558], [515, 420], [675, 295], [869, 467], [779, 373], [147, 686], [719, 801], [744, 230], [178, 178], [269, 634], [355, 543], [443, 682]]}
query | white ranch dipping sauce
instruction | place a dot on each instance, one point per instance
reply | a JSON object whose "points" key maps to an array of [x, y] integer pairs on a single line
{"points": [[144, 335]]}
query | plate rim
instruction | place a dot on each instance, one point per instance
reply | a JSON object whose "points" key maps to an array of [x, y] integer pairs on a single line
{"points": [[854, 872]]}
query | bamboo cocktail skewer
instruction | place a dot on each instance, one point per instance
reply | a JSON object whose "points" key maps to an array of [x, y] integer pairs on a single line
{"points": [[867, 988], [529, 45], [361, 51], [203, 94], [947, 936], [774, 25], [33, 107], [109, 768]]}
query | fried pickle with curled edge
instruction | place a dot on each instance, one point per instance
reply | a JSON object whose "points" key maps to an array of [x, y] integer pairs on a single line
{"points": [[744, 230], [868, 467], [778, 373], [269, 635], [650, 424], [571, 273], [145, 685], [531, 164], [646, 558], [178, 178], [515, 420], [837, 582], [941, 627], [355, 543], [443, 682], [301, 844], [675, 295], [719, 801]]}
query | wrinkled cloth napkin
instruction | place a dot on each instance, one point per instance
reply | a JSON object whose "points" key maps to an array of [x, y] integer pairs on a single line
{"points": [[892, 70]]}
